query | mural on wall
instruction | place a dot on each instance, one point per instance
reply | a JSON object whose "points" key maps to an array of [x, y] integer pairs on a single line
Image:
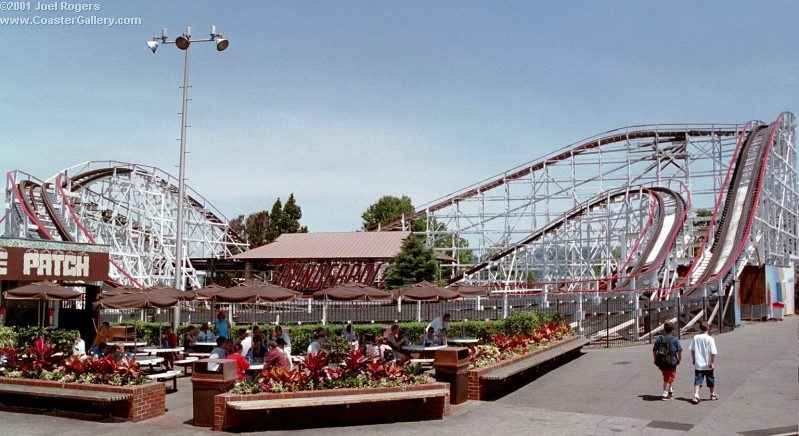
{"points": [[779, 287]]}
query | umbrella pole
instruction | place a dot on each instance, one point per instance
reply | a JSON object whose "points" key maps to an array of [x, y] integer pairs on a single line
{"points": [[39, 312], [324, 313], [399, 304], [419, 311]]}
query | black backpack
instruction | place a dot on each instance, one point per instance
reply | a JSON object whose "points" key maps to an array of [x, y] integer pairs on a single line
{"points": [[664, 353]]}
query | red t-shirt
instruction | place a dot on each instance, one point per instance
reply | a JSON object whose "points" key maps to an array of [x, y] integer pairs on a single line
{"points": [[241, 364]]}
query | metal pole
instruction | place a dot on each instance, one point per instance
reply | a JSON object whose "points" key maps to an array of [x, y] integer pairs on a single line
{"points": [[607, 322], [179, 285]]}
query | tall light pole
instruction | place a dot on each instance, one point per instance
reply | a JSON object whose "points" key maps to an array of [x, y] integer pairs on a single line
{"points": [[183, 42]]}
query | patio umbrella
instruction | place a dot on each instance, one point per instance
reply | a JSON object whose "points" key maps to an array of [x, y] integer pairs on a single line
{"points": [[119, 291], [207, 292], [164, 290], [141, 300], [426, 291], [353, 291], [470, 290], [43, 291], [254, 293]]}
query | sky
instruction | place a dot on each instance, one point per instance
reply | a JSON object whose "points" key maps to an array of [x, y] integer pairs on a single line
{"points": [[343, 102]]}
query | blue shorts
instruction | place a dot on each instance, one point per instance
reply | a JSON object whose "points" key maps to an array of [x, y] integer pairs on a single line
{"points": [[706, 374]]}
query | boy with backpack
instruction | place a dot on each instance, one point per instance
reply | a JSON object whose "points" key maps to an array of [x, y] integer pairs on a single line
{"points": [[667, 353]]}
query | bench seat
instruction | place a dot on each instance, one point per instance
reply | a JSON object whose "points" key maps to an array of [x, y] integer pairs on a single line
{"points": [[335, 400], [187, 363], [166, 376], [65, 393], [518, 367]]}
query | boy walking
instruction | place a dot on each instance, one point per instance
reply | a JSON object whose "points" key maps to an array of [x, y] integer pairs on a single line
{"points": [[667, 353], [703, 355]]}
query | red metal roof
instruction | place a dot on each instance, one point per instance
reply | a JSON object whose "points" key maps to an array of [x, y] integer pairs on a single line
{"points": [[334, 245]]}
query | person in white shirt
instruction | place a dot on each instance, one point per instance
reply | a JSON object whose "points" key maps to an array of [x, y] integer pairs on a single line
{"points": [[439, 323], [79, 347], [316, 345], [245, 339], [279, 333], [703, 354], [281, 345], [220, 352]]}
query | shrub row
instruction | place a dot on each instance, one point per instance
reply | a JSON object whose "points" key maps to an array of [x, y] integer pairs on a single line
{"points": [[520, 323], [21, 337]]}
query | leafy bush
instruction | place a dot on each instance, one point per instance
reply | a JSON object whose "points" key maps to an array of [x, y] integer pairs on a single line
{"points": [[8, 338], [337, 348], [523, 323]]}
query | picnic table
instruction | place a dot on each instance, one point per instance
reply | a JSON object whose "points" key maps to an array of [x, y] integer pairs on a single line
{"points": [[421, 350], [161, 350], [209, 345], [127, 344], [462, 341]]}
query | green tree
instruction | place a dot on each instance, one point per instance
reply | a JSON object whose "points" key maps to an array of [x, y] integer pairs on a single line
{"points": [[276, 218], [414, 263], [386, 210], [290, 220], [256, 228]]}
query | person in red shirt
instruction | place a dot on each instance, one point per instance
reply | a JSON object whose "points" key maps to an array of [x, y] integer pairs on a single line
{"points": [[169, 340], [276, 357], [241, 362]]}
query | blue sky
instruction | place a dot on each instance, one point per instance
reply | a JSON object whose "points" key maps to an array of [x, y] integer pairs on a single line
{"points": [[342, 102]]}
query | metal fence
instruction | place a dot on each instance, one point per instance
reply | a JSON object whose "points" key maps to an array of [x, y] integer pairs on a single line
{"points": [[609, 319]]}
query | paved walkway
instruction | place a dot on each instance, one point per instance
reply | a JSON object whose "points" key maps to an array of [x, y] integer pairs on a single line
{"points": [[606, 391]]}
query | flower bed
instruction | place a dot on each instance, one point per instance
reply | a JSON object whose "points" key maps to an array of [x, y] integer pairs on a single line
{"points": [[360, 410], [147, 400], [314, 373], [504, 347], [39, 365], [477, 388]]}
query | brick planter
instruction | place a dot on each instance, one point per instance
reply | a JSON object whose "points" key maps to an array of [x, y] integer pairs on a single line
{"points": [[148, 400], [479, 390], [353, 413]]}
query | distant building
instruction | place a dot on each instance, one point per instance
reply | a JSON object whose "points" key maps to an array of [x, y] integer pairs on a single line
{"points": [[312, 261]]}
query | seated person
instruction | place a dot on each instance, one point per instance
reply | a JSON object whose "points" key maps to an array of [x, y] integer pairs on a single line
{"points": [[258, 351], [220, 352], [281, 345], [241, 362], [190, 340], [396, 341], [279, 333], [316, 345], [99, 350], [103, 334], [350, 336], [276, 357], [205, 335], [430, 339], [79, 347], [370, 349]]}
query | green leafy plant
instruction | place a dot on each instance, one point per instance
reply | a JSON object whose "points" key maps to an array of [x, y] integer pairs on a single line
{"points": [[337, 348]]}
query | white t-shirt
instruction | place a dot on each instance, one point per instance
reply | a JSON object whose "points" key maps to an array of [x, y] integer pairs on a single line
{"points": [[79, 349], [285, 337], [246, 344], [703, 346], [314, 347], [438, 324]]}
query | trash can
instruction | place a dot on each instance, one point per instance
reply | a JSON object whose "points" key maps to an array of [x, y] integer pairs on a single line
{"points": [[778, 310], [207, 383], [452, 366]]}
